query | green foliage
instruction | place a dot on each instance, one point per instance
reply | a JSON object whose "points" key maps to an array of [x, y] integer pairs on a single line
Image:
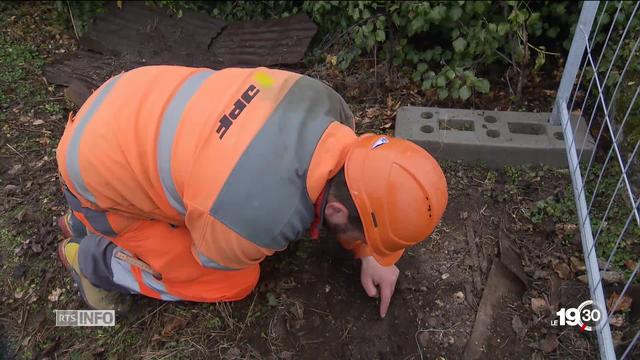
{"points": [[441, 45], [77, 13], [18, 63], [561, 209], [620, 87]]}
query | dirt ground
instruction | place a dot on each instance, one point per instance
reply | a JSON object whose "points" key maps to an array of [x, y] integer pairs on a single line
{"points": [[309, 303]]}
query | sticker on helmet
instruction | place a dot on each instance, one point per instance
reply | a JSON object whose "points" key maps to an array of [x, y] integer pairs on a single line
{"points": [[383, 140]]}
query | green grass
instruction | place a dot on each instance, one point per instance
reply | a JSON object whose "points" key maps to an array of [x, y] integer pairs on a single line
{"points": [[562, 209], [19, 63]]}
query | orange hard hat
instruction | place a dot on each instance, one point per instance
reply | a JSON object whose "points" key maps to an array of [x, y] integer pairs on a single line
{"points": [[399, 190]]}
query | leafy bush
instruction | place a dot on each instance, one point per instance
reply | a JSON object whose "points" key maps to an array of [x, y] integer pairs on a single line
{"points": [[441, 45]]}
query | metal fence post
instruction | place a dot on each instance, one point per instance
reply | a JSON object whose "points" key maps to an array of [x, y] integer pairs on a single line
{"points": [[572, 65]]}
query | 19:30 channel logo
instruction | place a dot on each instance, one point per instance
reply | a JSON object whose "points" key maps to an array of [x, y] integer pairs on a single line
{"points": [[586, 316]]}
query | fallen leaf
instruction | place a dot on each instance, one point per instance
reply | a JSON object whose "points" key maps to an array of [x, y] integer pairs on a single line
{"points": [[233, 353], [617, 320], [630, 264], [549, 343], [518, 326], [173, 325], [624, 305], [563, 270], [38, 122], [10, 188], [14, 170], [18, 294], [459, 297], [577, 264], [55, 295], [539, 304]]}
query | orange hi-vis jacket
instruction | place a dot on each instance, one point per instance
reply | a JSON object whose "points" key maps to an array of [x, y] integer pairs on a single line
{"points": [[234, 160]]}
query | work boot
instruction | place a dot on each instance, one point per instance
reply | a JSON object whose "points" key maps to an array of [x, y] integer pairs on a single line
{"points": [[64, 223], [70, 226], [94, 297]]}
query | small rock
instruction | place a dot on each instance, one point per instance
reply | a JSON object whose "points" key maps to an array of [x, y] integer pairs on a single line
{"points": [[444, 276], [327, 288], [38, 122], [459, 297], [539, 305]]}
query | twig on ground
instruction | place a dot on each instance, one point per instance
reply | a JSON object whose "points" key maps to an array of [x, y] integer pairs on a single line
{"points": [[246, 319], [430, 330], [346, 332], [15, 151]]}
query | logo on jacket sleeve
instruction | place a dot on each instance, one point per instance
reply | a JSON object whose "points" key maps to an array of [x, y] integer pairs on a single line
{"points": [[226, 121]]}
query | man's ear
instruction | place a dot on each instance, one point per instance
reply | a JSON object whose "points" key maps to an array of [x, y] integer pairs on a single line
{"points": [[336, 214]]}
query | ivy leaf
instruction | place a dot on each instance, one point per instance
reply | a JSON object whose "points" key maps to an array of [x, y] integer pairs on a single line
{"points": [[443, 93], [455, 13], [422, 67], [380, 35], [482, 85], [459, 44], [441, 81], [450, 74], [427, 84], [465, 92]]}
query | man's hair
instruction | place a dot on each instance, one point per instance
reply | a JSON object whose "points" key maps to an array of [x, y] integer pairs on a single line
{"points": [[341, 192]]}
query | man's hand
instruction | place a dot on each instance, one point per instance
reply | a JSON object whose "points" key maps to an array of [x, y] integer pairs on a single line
{"points": [[378, 280]]}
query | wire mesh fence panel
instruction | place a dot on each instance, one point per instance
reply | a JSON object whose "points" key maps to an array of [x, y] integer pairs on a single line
{"points": [[601, 84]]}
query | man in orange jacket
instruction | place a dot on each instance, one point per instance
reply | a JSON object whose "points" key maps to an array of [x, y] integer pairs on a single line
{"points": [[182, 180]]}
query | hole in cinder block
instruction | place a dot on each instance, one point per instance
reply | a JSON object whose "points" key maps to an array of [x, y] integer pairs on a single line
{"points": [[456, 124], [558, 135], [526, 128], [427, 115], [490, 119], [426, 129], [493, 133]]}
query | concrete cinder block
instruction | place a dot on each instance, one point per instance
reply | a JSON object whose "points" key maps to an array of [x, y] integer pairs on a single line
{"points": [[496, 138]]}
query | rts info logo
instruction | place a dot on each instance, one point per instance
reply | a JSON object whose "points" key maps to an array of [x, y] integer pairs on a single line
{"points": [[586, 316]]}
